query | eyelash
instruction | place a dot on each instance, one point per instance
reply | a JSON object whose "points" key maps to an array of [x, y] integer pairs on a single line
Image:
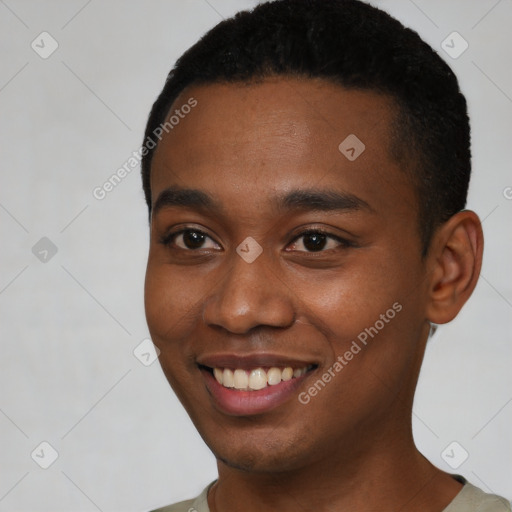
{"points": [[169, 238], [343, 242]]}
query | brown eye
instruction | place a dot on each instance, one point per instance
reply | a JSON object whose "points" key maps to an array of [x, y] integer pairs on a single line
{"points": [[317, 241], [193, 239], [314, 241], [189, 240]]}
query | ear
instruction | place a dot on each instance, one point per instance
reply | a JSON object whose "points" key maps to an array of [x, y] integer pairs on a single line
{"points": [[455, 260]]}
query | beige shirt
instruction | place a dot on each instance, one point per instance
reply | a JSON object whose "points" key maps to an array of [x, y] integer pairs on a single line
{"points": [[469, 499]]}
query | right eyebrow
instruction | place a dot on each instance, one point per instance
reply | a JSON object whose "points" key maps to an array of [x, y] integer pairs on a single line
{"points": [[185, 197]]}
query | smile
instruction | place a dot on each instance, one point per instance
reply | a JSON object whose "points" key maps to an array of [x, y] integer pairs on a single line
{"points": [[257, 378]]}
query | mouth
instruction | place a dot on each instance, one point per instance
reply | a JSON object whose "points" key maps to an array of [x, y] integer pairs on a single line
{"points": [[247, 386], [258, 378]]}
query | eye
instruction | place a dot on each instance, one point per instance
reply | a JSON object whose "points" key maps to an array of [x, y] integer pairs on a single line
{"points": [[189, 240], [317, 241]]}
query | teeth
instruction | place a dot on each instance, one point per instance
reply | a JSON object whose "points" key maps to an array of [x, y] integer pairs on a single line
{"points": [[241, 379], [287, 373], [257, 378], [274, 376], [228, 379], [218, 375]]}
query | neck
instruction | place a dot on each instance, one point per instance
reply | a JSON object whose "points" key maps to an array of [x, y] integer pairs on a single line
{"points": [[390, 475]]}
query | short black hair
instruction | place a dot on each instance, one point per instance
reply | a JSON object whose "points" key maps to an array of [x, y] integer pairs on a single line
{"points": [[357, 46]]}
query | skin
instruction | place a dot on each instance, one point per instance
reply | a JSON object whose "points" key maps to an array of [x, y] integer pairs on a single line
{"points": [[351, 446]]}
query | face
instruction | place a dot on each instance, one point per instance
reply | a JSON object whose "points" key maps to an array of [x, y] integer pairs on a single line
{"points": [[285, 286]]}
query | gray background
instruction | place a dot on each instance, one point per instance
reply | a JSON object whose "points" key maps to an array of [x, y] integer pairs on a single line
{"points": [[71, 322]]}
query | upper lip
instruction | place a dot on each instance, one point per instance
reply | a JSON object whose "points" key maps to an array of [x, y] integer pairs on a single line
{"points": [[250, 361]]}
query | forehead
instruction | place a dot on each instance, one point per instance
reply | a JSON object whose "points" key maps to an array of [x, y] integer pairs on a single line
{"points": [[276, 133], [289, 109]]}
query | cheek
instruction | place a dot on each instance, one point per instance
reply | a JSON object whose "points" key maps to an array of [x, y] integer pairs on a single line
{"points": [[347, 301], [375, 329], [370, 318], [171, 303]]}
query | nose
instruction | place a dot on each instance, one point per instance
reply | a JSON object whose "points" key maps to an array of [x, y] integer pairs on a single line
{"points": [[248, 296]]}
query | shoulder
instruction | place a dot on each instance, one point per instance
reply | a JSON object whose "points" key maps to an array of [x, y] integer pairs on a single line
{"points": [[473, 499], [199, 504], [182, 506]]}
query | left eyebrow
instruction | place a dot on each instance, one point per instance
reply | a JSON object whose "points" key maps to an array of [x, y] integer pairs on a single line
{"points": [[322, 200]]}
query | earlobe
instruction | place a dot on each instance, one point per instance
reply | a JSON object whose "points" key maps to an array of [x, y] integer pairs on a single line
{"points": [[455, 262]]}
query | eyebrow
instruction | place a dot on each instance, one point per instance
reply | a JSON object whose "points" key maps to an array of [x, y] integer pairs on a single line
{"points": [[303, 199], [185, 197], [322, 200]]}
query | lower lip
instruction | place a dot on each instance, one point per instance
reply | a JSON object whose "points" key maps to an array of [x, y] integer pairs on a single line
{"points": [[246, 403]]}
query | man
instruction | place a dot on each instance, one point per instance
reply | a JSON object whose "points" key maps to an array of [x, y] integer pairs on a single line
{"points": [[306, 172]]}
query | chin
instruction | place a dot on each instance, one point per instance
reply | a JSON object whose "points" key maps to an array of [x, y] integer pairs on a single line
{"points": [[262, 454], [250, 462]]}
